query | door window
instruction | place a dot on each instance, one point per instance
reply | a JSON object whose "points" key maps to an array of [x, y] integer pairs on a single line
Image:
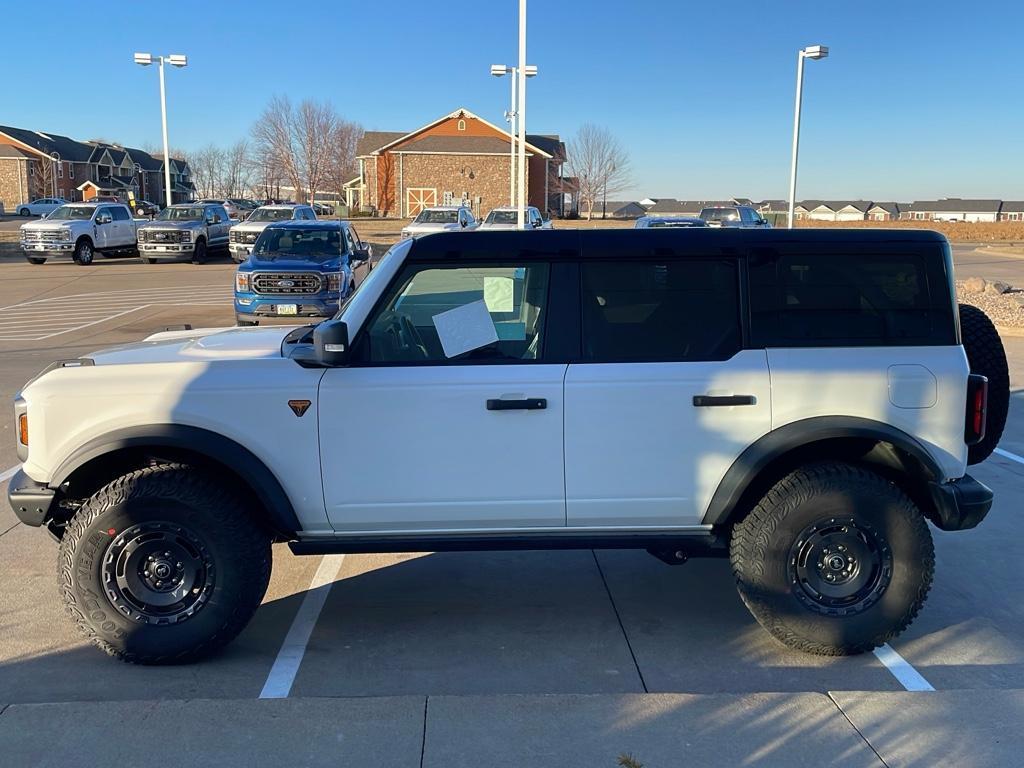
{"points": [[120, 213], [478, 313], [671, 310]]}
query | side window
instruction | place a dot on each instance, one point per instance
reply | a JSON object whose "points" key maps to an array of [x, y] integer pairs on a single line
{"points": [[665, 310], [478, 313], [120, 213], [105, 209], [812, 300]]}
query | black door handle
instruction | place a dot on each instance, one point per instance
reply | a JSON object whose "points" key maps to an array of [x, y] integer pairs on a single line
{"points": [[529, 404], [705, 401]]}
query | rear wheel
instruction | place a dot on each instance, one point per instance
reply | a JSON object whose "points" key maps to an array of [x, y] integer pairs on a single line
{"points": [[35, 260], [986, 356], [163, 565], [833, 560], [150, 261], [84, 252]]}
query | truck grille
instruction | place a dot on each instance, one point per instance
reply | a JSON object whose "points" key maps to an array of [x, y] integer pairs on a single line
{"points": [[159, 236], [244, 237], [286, 283], [41, 236]]}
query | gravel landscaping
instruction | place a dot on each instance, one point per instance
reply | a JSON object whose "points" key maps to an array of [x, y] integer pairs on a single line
{"points": [[1003, 303]]}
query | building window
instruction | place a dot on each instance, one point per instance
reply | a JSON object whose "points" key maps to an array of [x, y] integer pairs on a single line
{"points": [[71, 171], [60, 170], [61, 191], [462, 125]]}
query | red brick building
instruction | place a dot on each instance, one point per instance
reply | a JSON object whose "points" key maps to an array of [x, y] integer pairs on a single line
{"points": [[458, 157]]}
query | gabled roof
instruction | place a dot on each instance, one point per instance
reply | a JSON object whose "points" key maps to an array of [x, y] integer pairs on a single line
{"points": [[1013, 206], [956, 204], [374, 140], [458, 145], [46, 143], [461, 112], [893, 208]]}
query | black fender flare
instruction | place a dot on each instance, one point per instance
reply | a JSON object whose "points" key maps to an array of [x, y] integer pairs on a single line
{"points": [[217, 448], [777, 443]]}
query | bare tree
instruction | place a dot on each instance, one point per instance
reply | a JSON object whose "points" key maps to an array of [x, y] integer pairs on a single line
{"points": [[600, 163], [207, 166], [237, 171], [341, 162]]}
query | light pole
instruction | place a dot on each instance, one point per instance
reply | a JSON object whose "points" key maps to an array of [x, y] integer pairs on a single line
{"points": [[176, 60], [55, 156], [810, 52], [604, 195], [500, 70], [521, 113]]}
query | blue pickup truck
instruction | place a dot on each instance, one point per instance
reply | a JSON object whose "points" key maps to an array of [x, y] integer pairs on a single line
{"points": [[298, 269]]}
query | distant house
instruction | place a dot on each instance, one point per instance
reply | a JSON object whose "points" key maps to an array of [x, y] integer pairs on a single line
{"points": [[954, 209], [885, 211], [1012, 210], [834, 210], [618, 210]]}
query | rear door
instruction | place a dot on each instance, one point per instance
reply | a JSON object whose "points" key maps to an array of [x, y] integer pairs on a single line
{"points": [[664, 398]]}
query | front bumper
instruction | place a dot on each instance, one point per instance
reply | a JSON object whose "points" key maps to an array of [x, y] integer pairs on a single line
{"points": [[241, 252], [305, 306], [960, 504], [30, 500], [44, 248], [165, 249]]}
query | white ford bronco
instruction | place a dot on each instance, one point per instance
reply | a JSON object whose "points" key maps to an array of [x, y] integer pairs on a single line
{"points": [[803, 402]]}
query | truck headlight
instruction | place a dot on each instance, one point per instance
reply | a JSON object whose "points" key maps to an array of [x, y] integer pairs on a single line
{"points": [[334, 282], [243, 281], [186, 236], [65, 233]]}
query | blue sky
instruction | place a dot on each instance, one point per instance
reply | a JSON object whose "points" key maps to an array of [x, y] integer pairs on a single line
{"points": [[918, 99]]}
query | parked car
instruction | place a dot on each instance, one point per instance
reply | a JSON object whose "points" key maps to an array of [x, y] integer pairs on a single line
{"points": [[701, 393], [146, 208], [676, 222], [444, 218], [298, 269], [188, 230], [80, 230], [243, 235], [40, 207], [323, 209], [244, 207], [507, 218], [234, 212], [734, 216]]}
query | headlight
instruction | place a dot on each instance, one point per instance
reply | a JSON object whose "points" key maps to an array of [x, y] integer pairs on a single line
{"points": [[65, 233], [333, 282], [243, 282], [186, 236]]}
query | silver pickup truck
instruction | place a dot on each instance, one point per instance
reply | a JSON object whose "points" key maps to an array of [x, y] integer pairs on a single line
{"points": [[80, 230], [186, 230]]}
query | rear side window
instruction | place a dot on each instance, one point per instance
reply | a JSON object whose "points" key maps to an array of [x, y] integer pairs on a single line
{"points": [[828, 299], [668, 310]]}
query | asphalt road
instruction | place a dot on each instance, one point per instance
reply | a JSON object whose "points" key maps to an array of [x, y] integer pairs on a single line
{"points": [[518, 658]]}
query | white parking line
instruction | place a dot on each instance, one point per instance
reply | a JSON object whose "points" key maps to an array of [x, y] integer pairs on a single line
{"points": [[902, 670], [7, 474], [1010, 456], [286, 665]]}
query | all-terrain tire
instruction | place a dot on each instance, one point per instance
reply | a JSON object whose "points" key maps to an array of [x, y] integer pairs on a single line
{"points": [[209, 518], [84, 252], [986, 356], [35, 260], [823, 495], [199, 254]]}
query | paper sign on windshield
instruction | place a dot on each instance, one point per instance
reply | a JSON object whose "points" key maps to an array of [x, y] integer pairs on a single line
{"points": [[465, 328], [498, 294]]}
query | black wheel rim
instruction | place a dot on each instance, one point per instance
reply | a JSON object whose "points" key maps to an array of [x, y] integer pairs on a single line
{"points": [[840, 566], [158, 573]]}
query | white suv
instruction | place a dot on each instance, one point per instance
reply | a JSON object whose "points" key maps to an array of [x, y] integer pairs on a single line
{"points": [[797, 400]]}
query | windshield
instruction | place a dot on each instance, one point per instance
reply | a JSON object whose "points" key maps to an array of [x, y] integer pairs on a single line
{"points": [[271, 214], [437, 217], [72, 212], [501, 217], [181, 214], [720, 214], [317, 245]]}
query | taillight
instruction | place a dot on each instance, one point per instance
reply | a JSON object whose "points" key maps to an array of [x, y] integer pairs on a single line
{"points": [[977, 409]]}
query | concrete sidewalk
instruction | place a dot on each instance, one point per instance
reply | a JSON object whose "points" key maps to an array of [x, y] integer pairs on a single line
{"points": [[572, 731]]}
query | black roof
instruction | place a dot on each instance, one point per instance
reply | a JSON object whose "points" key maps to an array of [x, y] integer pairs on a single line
{"points": [[314, 225], [571, 243], [69, 149]]}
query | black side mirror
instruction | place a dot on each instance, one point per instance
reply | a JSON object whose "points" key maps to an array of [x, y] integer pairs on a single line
{"points": [[330, 340]]}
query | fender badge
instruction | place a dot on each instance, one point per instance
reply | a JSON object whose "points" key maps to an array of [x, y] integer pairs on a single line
{"points": [[299, 407]]}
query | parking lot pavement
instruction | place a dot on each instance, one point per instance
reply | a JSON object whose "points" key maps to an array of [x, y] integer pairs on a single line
{"points": [[512, 638]]}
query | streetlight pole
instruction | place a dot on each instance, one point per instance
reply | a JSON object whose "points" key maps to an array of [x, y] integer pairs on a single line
{"points": [[55, 157], [177, 60], [521, 110], [511, 116], [810, 52]]}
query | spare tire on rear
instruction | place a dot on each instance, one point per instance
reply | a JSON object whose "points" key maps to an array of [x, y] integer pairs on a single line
{"points": [[986, 356]]}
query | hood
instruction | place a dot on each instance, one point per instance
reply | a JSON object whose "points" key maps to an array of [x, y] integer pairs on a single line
{"points": [[431, 227], [501, 225], [290, 264], [53, 223], [199, 345], [156, 224], [253, 226]]}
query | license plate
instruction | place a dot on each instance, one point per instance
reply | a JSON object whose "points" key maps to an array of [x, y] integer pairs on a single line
{"points": [[162, 248], [40, 247], [287, 309]]}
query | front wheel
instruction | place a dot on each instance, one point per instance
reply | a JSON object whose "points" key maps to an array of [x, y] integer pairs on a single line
{"points": [[163, 565], [150, 261], [199, 254], [35, 260], [23, 212], [834, 560], [84, 253]]}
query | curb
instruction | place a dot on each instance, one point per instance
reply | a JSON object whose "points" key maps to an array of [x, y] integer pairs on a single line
{"points": [[988, 250]]}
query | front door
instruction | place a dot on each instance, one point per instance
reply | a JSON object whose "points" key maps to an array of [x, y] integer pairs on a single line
{"points": [[449, 418], [103, 234], [664, 398]]}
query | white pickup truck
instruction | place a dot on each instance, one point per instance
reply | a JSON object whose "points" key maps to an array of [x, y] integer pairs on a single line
{"points": [[80, 230]]}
